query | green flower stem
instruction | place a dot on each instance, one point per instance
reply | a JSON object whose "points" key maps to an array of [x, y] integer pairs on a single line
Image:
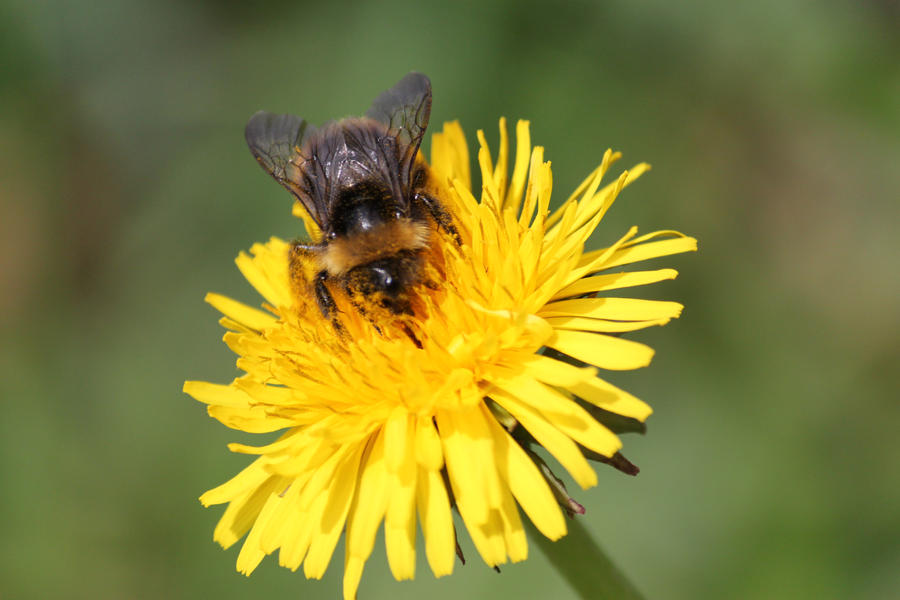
{"points": [[582, 563]]}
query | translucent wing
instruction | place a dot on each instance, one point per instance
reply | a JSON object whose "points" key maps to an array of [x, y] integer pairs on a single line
{"points": [[276, 141], [405, 109]]}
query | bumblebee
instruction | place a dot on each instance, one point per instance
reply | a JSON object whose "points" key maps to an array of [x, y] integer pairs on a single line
{"points": [[363, 184]]}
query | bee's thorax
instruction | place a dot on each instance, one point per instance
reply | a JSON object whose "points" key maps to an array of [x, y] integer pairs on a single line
{"points": [[381, 240]]}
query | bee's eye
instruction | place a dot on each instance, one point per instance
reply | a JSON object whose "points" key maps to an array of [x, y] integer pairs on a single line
{"points": [[397, 214], [385, 280]]}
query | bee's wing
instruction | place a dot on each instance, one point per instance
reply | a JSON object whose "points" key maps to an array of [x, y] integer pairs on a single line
{"points": [[405, 109], [276, 141]]}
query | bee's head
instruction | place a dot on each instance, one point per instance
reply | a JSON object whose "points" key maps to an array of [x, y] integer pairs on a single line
{"points": [[387, 281]]}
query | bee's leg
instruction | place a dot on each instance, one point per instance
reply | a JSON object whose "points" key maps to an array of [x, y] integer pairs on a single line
{"points": [[359, 306], [323, 296], [301, 256], [440, 216], [326, 301], [412, 336]]}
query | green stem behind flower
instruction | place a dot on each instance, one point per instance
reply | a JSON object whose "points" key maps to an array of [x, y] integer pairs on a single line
{"points": [[582, 563]]}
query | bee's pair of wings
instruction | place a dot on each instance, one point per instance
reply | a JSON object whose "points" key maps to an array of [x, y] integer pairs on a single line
{"points": [[277, 140]]}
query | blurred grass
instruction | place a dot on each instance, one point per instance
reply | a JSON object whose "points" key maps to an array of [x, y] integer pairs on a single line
{"points": [[769, 469]]}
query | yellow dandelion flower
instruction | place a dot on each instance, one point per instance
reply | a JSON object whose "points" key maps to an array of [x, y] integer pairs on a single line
{"points": [[399, 425]]}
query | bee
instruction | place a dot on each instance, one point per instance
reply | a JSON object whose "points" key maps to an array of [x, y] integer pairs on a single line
{"points": [[363, 184]]}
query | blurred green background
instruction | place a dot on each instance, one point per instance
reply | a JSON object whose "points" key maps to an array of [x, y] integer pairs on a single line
{"points": [[771, 468]]}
